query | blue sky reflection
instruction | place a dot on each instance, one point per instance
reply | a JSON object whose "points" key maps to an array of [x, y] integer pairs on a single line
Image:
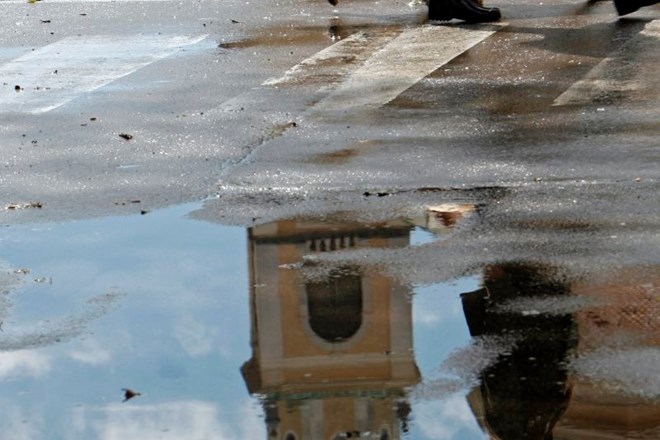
{"points": [[159, 303]]}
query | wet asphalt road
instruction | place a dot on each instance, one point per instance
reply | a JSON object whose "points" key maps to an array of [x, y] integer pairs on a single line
{"points": [[527, 148], [548, 119], [218, 94]]}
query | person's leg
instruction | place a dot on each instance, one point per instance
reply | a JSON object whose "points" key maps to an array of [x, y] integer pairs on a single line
{"points": [[467, 10], [624, 7]]}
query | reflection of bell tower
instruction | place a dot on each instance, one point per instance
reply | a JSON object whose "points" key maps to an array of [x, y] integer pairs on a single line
{"points": [[332, 357]]}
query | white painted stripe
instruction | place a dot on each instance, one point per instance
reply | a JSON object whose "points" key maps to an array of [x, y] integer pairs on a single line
{"points": [[342, 56], [600, 81], [83, 64], [592, 86], [410, 57], [81, 1]]}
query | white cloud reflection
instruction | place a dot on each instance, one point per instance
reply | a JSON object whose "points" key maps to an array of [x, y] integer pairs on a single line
{"points": [[447, 419], [190, 420], [195, 337], [90, 352], [16, 424], [436, 305], [23, 363]]}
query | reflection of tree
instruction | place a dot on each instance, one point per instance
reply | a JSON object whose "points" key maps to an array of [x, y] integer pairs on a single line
{"points": [[525, 392]]}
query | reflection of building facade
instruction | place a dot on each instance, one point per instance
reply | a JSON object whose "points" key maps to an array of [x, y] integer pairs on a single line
{"points": [[529, 393], [332, 358], [626, 315]]}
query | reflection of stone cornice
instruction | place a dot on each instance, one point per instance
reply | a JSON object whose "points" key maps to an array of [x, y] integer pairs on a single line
{"points": [[596, 412], [308, 232], [335, 360], [396, 389], [251, 376], [403, 373]]}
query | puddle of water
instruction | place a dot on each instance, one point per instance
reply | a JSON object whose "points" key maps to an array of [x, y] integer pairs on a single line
{"points": [[155, 303], [339, 353], [421, 236], [161, 304], [229, 333], [44, 89]]}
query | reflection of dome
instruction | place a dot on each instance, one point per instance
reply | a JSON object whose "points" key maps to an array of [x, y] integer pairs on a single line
{"points": [[335, 307]]}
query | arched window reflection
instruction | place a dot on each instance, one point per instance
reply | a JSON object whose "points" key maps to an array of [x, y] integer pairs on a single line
{"points": [[335, 306]]}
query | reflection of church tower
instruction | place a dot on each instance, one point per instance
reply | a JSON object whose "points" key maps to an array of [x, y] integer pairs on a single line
{"points": [[332, 358]]}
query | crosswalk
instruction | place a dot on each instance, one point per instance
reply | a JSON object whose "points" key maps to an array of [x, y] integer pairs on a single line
{"points": [[82, 1], [376, 83], [395, 62], [608, 77], [366, 70], [54, 75]]}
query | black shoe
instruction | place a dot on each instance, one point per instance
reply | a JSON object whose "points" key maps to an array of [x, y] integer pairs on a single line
{"points": [[467, 10], [624, 7]]}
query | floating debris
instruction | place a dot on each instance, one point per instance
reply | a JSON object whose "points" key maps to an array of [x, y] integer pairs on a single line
{"points": [[16, 206], [378, 194], [129, 394], [133, 201]]}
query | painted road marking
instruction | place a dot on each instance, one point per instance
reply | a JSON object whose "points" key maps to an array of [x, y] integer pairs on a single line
{"points": [[406, 60], [83, 1], [605, 79], [58, 73], [340, 58], [343, 68]]}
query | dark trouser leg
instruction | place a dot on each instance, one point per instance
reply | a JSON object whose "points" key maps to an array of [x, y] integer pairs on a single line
{"points": [[624, 7]]}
